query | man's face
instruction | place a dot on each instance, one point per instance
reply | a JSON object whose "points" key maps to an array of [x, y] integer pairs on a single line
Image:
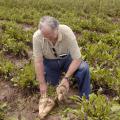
{"points": [[48, 32]]}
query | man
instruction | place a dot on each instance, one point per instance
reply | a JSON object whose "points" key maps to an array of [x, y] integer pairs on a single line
{"points": [[55, 50]]}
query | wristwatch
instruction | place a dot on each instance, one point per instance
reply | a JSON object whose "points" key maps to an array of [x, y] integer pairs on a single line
{"points": [[67, 78]]}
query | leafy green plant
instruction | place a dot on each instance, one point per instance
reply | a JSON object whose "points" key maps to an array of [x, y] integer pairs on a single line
{"points": [[102, 53], [3, 107], [25, 78], [17, 31], [98, 107], [96, 24], [15, 39], [10, 45], [6, 67]]}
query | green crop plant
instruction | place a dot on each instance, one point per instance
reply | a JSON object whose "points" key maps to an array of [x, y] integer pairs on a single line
{"points": [[6, 67], [96, 24], [25, 77], [3, 107], [16, 31], [98, 107], [10, 45]]}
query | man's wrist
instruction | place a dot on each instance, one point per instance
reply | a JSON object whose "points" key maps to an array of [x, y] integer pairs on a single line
{"points": [[42, 82], [67, 78]]}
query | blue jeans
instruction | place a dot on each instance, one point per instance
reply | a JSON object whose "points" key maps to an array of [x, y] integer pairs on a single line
{"points": [[54, 68]]}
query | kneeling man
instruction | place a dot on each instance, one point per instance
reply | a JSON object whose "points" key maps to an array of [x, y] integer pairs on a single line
{"points": [[55, 50]]}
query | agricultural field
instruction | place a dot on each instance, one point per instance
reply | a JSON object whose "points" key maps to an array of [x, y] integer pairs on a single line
{"points": [[96, 24]]}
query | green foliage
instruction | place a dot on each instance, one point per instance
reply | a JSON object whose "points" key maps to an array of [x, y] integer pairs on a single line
{"points": [[97, 24], [102, 52], [14, 39], [97, 108], [6, 67], [25, 77], [16, 31], [3, 107], [10, 45], [30, 12], [97, 27]]}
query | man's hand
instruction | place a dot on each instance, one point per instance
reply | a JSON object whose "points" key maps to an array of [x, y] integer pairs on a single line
{"points": [[73, 67], [39, 69], [62, 90], [43, 89], [65, 82]]}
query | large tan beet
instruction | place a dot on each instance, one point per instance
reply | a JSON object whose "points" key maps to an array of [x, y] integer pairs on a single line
{"points": [[42, 104], [45, 106], [62, 92]]}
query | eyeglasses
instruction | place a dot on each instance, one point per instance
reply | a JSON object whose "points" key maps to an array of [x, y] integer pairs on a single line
{"points": [[54, 51]]}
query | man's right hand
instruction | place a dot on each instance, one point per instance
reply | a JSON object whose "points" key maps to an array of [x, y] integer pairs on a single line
{"points": [[39, 69], [43, 89]]}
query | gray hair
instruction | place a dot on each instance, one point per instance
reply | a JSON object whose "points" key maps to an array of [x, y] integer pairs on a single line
{"points": [[51, 21]]}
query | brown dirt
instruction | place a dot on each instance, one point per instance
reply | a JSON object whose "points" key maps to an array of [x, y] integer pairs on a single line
{"points": [[22, 106], [19, 63], [115, 19]]}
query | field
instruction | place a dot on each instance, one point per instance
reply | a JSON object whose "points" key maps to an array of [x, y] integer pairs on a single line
{"points": [[96, 24]]}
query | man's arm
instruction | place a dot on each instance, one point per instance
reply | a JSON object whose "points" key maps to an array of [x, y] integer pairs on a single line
{"points": [[38, 61], [74, 52], [39, 69], [73, 67]]}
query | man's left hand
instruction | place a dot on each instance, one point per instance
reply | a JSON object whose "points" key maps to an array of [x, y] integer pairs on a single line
{"points": [[65, 82]]}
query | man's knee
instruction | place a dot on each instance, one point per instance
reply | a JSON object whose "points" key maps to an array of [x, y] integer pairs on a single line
{"points": [[82, 70], [83, 66]]}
